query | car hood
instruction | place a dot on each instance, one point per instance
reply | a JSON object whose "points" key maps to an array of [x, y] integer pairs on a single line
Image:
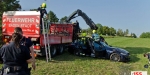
{"points": [[120, 50]]}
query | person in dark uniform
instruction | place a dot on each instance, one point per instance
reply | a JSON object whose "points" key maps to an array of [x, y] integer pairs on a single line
{"points": [[26, 42], [15, 57], [43, 11], [77, 27], [147, 55]]}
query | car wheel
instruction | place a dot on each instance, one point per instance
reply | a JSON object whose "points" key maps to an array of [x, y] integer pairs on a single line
{"points": [[115, 57], [146, 66]]}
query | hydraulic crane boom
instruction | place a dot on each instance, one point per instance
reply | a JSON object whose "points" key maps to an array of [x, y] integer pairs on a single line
{"points": [[84, 16]]}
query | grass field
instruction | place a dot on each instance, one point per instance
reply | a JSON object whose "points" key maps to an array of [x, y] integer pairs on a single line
{"points": [[67, 64]]}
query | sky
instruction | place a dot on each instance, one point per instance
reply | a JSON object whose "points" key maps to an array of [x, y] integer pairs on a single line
{"points": [[133, 15]]}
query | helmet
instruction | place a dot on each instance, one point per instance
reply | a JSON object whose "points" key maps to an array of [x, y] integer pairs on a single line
{"points": [[43, 5], [94, 31], [84, 34]]}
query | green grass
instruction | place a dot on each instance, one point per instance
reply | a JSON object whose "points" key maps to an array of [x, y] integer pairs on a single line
{"points": [[67, 64]]}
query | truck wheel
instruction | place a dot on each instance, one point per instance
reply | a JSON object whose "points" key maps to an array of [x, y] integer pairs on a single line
{"points": [[115, 57], [53, 51], [60, 49]]}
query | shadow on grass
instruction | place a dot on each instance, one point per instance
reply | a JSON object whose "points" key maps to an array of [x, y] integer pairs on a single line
{"points": [[136, 52], [66, 56]]}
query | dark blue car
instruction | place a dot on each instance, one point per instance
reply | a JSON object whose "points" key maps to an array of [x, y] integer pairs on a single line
{"points": [[101, 49]]}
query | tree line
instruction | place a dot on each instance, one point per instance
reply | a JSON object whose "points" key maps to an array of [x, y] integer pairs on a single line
{"points": [[13, 5], [102, 30], [110, 31]]}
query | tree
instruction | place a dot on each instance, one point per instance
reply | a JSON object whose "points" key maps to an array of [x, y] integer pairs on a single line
{"points": [[126, 32], [120, 32], [8, 5], [33, 9], [89, 30], [145, 35], [133, 35], [112, 31], [100, 28], [63, 18], [52, 17], [106, 30]]}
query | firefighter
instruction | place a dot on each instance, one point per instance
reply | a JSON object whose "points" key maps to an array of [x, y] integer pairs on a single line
{"points": [[77, 27], [15, 57], [84, 38], [95, 36], [81, 44], [43, 11], [97, 39]]}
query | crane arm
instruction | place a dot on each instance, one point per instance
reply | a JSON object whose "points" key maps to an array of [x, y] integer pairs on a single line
{"points": [[84, 16]]}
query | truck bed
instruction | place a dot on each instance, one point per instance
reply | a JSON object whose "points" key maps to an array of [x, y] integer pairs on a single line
{"points": [[59, 34]]}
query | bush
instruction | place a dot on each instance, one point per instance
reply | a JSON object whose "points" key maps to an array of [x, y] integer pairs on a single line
{"points": [[145, 35]]}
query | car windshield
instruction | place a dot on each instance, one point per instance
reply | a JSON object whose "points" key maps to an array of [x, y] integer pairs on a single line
{"points": [[104, 44]]}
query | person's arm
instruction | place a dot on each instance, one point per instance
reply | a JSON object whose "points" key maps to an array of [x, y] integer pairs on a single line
{"points": [[39, 8], [30, 60], [30, 45], [32, 53]]}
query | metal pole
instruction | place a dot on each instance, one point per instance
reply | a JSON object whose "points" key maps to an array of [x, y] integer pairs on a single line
{"points": [[47, 26], [44, 39], [48, 29]]}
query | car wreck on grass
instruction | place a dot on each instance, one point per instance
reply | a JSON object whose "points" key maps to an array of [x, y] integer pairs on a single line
{"points": [[101, 49]]}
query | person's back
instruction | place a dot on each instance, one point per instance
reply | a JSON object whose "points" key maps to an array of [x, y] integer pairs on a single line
{"points": [[43, 11], [26, 42], [15, 58]]}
